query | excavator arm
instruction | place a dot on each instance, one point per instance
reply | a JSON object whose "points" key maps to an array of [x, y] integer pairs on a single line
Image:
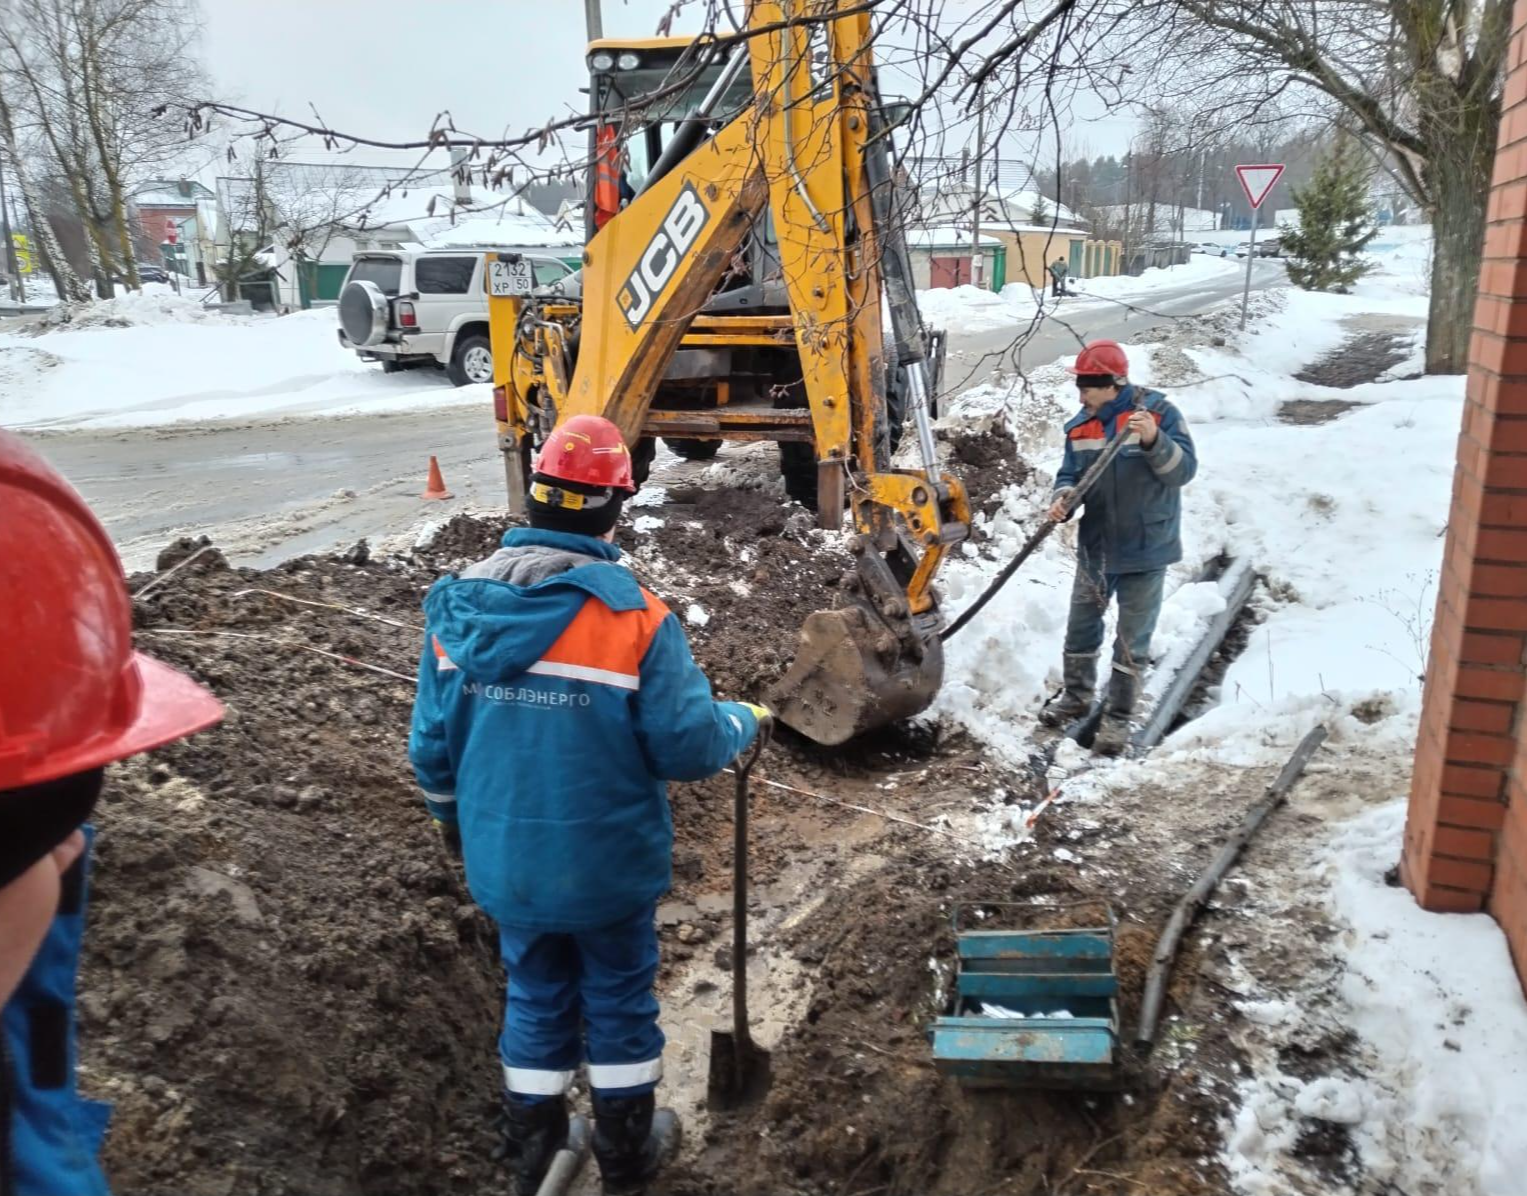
{"points": [[811, 149]]}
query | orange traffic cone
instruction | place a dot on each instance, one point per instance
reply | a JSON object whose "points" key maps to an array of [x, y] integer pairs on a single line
{"points": [[435, 487]]}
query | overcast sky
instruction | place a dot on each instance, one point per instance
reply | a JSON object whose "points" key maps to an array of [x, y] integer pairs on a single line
{"points": [[386, 67]]}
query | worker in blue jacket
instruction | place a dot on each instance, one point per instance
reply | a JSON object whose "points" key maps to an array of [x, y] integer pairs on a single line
{"points": [[556, 697], [74, 697], [1131, 531]]}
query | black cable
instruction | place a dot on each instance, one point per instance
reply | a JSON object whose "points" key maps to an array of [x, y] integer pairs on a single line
{"points": [[1073, 500]]}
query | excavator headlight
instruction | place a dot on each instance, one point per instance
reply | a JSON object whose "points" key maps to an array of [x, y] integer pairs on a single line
{"points": [[601, 60], [628, 61]]}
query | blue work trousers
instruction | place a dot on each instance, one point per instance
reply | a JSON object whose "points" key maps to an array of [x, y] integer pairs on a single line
{"points": [[1139, 606], [582, 997]]}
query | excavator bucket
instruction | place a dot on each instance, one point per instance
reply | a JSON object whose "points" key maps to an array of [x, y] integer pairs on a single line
{"points": [[852, 673]]}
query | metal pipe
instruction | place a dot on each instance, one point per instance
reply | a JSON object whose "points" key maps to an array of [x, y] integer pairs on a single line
{"points": [[917, 381], [567, 1162], [1236, 583]]}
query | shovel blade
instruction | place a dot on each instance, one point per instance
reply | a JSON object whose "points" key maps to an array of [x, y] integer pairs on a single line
{"points": [[852, 674], [739, 1073]]}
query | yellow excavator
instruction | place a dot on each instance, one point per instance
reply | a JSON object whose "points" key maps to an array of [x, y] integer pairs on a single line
{"points": [[744, 259]]}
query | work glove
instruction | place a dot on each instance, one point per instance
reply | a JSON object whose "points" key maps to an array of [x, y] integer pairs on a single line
{"points": [[1058, 512], [765, 718], [450, 837]]}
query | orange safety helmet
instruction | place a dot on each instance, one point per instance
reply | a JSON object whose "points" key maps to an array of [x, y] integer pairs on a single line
{"points": [[589, 450], [73, 694], [1102, 357]]}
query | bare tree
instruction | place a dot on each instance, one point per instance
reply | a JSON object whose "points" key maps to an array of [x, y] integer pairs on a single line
{"points": [[1421, 78], [70, 288], [85, 78]]}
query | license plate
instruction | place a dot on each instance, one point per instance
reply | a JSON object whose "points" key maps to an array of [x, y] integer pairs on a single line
{"points": [[509, 278]]}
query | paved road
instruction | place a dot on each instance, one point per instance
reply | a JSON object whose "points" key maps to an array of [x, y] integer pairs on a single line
{"points": [[267, 491]]}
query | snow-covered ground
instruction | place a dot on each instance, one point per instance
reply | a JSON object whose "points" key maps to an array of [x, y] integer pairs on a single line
{"points": [[971, 309], [1346, 519], [156, 358]]}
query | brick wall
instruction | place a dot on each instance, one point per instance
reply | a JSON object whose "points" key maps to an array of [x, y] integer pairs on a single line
{"points": [[1466, 835]]}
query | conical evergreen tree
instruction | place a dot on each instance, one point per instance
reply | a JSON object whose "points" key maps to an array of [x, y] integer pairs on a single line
{"points": [[1335, 223]]}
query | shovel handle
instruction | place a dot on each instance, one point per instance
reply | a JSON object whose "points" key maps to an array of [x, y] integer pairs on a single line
{"points": [[744, 769]]}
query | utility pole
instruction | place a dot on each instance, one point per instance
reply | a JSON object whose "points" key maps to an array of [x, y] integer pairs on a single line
{"points": [[12, 266], [594, 19], [977, 258]]}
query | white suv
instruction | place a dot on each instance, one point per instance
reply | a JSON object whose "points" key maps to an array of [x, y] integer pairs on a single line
{"points": [[430, 307]]}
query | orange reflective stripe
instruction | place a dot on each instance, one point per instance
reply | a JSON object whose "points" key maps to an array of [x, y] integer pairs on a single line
{"points": [[1091, 429], [604, 645], [1123, 418], [606, 176], [443, 663]]}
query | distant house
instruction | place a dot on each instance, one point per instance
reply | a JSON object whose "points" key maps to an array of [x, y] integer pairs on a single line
{"points": [[1029, 245], [312, 218], [190, 208], [943, 257]]}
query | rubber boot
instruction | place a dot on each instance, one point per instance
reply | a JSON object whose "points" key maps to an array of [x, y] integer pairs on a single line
{"points": [[633, 1139], [1079, 674], [533, 1131], [1113, 730]]}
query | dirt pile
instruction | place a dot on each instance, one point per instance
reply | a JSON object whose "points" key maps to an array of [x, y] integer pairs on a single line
{"points": [[287, 988]]}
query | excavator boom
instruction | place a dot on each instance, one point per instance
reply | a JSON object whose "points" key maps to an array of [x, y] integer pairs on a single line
{"points": [[810, 150]]}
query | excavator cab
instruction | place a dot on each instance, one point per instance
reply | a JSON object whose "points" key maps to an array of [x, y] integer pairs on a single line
{"points": [[746, 278]]}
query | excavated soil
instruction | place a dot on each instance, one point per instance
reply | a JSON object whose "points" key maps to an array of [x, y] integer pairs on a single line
{"points": [[288, 990]]}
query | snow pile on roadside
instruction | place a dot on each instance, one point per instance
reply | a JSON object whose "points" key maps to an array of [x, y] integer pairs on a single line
{"points": [[155, 306], [1199, 269], [1436, 1005], [972, 309], [174, 361]]}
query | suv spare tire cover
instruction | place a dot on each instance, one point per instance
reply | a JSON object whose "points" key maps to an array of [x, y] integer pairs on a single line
{"points": [[363, 313]]}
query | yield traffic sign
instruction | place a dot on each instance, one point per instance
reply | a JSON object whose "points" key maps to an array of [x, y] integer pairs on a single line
{"points": [[1258, 180]]}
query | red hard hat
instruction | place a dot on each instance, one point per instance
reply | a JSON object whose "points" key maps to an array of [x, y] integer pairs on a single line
{"points": [[73, 693], [1102, 357], [587, 449]]}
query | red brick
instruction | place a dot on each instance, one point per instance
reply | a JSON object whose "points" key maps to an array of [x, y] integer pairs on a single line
{"points": [[1516, 90], [1508, 398], [1500, 509], [1470, 747], [1465, 844], [1450, 901], [1499, 685], [1509, 434], [1503, 471], [1460, 874], [1470, 781], [1483, 647], [1471, 812], [1498, 544], [1493, 718], [1499, 581], [1496, 614]]}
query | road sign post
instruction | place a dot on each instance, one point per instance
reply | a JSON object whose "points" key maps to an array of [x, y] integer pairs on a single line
{"points": [[1257, 181]]}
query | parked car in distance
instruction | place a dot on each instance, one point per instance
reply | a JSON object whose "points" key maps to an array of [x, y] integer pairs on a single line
{"points": [[1213, 250], [1270, 247], [429, 307]]}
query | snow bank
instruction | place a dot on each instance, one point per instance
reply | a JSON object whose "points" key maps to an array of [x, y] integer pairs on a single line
{"points": [[1200, 269], [1439, 1012], [971, 309], [157, 359]]}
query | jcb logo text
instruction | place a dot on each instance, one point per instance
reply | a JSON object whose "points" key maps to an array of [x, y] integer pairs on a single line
{"points": [[659, 261]]}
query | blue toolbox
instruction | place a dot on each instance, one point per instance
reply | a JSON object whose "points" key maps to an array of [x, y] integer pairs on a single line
{"points": [[1035, 1004]]}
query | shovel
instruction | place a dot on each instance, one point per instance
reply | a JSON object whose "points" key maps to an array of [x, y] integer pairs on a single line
{"points": [[739, 1068]]}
